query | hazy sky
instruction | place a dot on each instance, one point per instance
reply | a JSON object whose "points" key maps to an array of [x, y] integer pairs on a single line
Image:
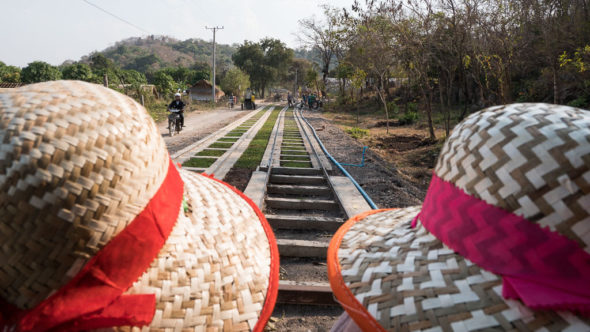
{"points": [[58, 30]]}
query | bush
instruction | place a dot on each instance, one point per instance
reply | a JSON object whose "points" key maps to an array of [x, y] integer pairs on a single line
{"points": [[412, 107], [393, 107], [344, 100], [356, 132], [410, 117], [579, 102]]}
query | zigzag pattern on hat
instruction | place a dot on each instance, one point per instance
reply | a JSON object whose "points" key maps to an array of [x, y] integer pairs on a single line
{"points": [[529, 159], [409, 280], [77, 163]]}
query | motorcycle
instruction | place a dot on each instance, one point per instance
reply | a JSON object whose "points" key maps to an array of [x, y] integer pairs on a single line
{"points": [[174, 122]]}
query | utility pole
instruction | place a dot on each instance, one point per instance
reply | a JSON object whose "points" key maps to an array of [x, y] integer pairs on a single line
{"points": [[213, 79], [296, 85]]}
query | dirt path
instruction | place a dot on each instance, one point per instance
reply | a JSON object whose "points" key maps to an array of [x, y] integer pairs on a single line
{"points": [[198, 124]]}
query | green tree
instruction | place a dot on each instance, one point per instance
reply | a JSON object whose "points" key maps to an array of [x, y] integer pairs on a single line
{"points": [[39, 71], [265, 62], [77, 71], [235, 82], [164, 83], [311, 79], [132, 77], [100, 64], [297, 70], [250, 58], [343, 72], [9, 74], [145, 63], [277, 56]]}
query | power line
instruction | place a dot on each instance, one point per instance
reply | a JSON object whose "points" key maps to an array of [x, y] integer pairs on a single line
{"points": [[117, 17]]}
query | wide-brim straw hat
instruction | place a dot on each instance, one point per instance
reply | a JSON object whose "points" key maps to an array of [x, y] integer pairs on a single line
{"points": [[502, 241], [99, 229]]}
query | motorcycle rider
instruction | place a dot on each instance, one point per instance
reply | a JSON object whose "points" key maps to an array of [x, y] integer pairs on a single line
{"points": [[177, 104]]}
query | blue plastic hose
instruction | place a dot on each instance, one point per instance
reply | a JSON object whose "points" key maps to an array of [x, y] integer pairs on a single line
{"points": [[362, 164], [361, 190]]}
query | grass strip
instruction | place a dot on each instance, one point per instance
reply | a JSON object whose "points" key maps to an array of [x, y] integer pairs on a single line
{"points": [[292, 164], [298, 152], [228, 139], [221, 145], [199, 162], [211, 153], [251, 158], [293, 157], [292, 147]]}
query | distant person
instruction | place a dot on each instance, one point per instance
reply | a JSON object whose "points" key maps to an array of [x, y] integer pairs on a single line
{"points": [[311, 100], [230, 101], [177, 104], [290, 99], [248, 99]]}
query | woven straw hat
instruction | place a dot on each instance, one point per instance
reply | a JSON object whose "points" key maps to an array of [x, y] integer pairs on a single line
{"points": [[502, 241], [99, 229]]}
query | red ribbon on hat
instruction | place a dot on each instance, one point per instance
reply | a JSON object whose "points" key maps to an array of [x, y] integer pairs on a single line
{"points": [[543, 268], [94, 297]]}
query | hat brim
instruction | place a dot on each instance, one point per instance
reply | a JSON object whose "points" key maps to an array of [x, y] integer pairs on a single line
{"points": [[219, 267], [390, 276]]}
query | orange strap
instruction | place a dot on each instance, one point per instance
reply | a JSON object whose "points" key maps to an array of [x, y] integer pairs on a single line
{"points": [[347, 300]]}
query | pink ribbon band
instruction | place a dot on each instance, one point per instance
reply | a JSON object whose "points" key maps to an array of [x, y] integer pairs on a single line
{"points": [[543, 268]]}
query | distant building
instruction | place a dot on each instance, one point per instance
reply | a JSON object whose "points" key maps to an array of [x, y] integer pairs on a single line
{"points": [[201, 91]]}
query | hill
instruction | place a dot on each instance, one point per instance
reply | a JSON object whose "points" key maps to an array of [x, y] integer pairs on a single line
{"points": [[155, 52]]}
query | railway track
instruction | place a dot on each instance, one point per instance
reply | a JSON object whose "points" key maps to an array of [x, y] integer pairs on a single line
{"points": [[304, 211], [305, 202]]}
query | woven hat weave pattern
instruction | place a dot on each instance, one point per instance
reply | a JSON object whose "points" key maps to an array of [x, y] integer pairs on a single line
{"points": [[79, 164], [201, 278], [74, 171], [529, 160]]}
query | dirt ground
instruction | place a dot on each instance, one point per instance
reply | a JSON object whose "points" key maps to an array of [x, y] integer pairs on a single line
{"points": [[383, 179], [199, 124], [238, 177], [407, 149]]}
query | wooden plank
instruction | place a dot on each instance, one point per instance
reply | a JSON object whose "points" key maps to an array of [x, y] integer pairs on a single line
{"points": [[297, 179], [309, 293], [296, 171], [300, 222], [298, 190], [302, 204], [302, 248], [350, 197]]}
